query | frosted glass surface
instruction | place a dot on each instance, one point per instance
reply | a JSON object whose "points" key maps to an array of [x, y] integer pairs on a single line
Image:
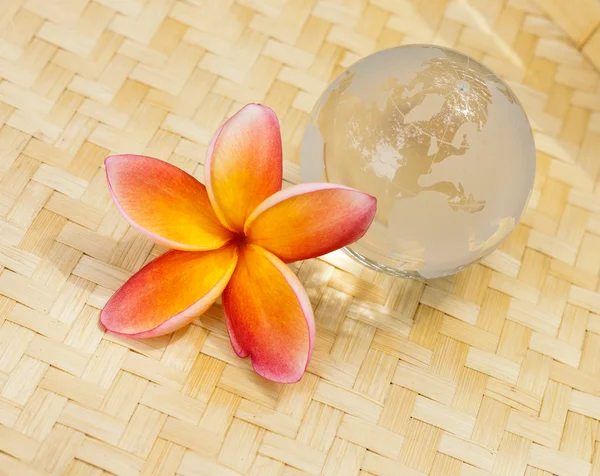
{"points": [[443, 144]]}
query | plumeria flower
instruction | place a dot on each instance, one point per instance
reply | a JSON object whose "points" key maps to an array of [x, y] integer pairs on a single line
{"points": [[232, 237]]}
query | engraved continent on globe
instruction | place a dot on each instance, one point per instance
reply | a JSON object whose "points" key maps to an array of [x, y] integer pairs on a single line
{"points": [[441, 142]]}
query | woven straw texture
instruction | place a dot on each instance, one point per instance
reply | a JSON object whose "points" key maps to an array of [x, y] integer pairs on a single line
{"points": [[493, 371]]}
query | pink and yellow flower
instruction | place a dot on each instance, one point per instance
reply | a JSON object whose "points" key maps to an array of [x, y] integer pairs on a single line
{"points": [[232, 237]]}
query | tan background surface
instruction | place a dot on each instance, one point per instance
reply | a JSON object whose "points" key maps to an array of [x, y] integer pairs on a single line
{"points": [[494, 371]]}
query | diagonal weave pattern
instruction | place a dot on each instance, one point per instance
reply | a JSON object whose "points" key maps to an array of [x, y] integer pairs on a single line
{"points": [[494, 371]]}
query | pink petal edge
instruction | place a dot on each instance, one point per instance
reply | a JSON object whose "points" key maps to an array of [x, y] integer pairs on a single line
{"points": [[209, 160], [184, 317], [307, 312], [293, 191], [207, 180], [152, 236]]}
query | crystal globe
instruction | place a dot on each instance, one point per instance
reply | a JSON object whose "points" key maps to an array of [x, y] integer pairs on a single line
{"points": [[440, 140]]}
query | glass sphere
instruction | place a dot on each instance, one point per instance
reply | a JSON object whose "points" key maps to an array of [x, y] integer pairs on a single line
{"points": [[440, 140]]}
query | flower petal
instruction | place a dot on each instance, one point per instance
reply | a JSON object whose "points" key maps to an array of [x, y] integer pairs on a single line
{"points": [[165, 203], [169, 292], [309, 220], [244, 165], [269, 316]]}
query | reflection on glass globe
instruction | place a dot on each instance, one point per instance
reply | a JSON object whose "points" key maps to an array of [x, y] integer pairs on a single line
{"points": [[443, 144]]}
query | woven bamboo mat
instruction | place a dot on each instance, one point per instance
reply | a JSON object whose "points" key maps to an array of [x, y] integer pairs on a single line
{"points": [[494, 371]]}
